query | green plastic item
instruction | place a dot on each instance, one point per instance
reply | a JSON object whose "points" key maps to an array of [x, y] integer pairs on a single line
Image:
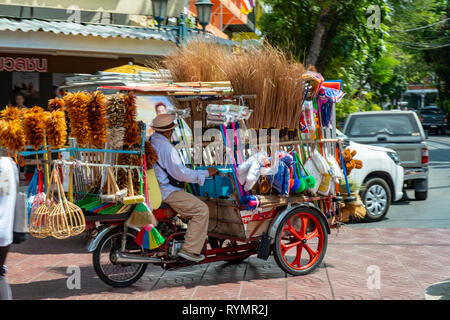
{"points": [[92, 205], [85, 201], [310, 181], [112, 209]]}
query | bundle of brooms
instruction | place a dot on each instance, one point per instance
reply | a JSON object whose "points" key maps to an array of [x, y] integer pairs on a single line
{"points": [[267, 72]]}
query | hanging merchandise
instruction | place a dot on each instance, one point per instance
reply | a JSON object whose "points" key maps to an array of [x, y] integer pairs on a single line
{"points": [[12, 135], [149, 238], [34, 126], [334, 166], [308, 124], [226, 113], [249, 172], [77, 111], [280, 181], [56, 104], [97, 119], [320, 162], [132, 198], [56, 128], [66, 219], [115, 115], [313, 172], [141, 216], [309, 181], [132, 134], [113, 193], [326, 99], [39, 196], [350, 162], [40, 226]]}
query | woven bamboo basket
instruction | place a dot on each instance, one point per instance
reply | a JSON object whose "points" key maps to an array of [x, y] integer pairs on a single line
{"points": [[39, 226], [66, 219]]}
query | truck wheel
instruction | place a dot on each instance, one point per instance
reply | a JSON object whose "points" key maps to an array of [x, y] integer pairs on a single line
{"points": [[377, 199], [421, 195]]}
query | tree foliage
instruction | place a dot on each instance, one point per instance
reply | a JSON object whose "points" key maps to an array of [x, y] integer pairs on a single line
{"points": [[364, 43]]}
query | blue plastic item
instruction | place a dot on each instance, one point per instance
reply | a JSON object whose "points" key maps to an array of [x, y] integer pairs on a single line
{"points": [[216, 187]]}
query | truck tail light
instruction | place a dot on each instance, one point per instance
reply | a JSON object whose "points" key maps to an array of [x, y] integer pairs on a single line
{"points": [[445, 120], [421, 118], [424, 155]]}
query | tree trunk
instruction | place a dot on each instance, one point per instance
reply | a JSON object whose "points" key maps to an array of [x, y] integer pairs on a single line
{"points": [[328, 38], [316, 46]]}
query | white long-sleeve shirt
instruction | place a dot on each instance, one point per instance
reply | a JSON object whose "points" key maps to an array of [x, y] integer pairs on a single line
{"points": [[9, 180], [170, 159]]}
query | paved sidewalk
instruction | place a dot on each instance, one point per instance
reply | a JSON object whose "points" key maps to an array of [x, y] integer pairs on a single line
{"points": [[409, 260]]}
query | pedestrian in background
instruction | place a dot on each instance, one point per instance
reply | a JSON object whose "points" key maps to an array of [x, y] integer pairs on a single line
{"points": [[9, 181]]}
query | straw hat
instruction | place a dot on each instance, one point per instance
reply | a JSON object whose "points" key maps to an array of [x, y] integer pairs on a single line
{"points": [[163, 122]]}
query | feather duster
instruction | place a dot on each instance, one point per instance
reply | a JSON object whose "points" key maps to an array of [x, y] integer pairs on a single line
{"points": [[34, 126], [115, 115], [132, 135], [12, 136], [55, 125], [56, 104], [97, 119], [150, 155], [76, 106]]}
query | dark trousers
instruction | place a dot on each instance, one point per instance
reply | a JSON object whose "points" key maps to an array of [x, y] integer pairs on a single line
{"points": [[5, 290]]}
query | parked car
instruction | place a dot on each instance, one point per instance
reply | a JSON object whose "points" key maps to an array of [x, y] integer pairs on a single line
{"points": [[381, 177], [400, 131], [433, 119]]}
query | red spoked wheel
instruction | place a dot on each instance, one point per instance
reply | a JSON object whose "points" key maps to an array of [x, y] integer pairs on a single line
{"points": [[301, 241]]}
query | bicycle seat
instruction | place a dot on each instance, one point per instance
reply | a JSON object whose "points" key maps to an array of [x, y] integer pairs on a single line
{"points": [[164, 212]]}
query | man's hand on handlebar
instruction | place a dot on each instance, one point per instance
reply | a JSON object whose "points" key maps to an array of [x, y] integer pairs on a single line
{"points": [[212, 171]]}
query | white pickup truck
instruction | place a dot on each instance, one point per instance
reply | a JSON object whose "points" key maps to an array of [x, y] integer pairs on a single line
{"points": [[381, 176]]}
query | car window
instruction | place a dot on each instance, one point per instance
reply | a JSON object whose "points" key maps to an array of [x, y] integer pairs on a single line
{"points": [[390, 124], [431, 111]]}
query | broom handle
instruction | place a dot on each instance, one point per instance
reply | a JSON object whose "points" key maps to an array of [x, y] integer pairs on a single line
{"points": [[130, 183]]}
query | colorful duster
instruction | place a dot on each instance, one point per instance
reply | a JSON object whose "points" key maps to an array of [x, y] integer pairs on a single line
{"points": [[149, 238]]}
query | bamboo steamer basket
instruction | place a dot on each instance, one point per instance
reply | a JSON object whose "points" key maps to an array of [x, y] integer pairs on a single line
{"points": [[39, 226], [66, 219]]}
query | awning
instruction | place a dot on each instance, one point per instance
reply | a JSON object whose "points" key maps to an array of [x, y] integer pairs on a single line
{"points": [[103, 31]]}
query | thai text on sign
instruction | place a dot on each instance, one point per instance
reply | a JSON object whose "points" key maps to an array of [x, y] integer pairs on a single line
{"points": [[23, 64]]}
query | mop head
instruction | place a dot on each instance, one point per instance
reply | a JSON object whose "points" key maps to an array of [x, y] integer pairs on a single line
{"points": [[97, 119], [301, 186], [55, 124], [12, 136], [33, 124], [77, 110], [310, 182], [132, 135], [56, 104], [149, 238]]}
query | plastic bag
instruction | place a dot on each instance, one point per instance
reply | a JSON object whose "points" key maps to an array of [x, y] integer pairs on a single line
{"points": [[335, 169], [280, 181], [314, 172], [320, 162]]}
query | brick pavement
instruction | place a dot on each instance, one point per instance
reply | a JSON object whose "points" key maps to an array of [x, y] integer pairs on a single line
{"points": [[409, 260]]}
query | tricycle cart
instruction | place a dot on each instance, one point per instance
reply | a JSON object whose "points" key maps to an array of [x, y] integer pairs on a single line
{"points": [[281, 202], [293, 228]]}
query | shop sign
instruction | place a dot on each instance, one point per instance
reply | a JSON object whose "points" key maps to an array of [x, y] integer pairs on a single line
{"points": [[23, 64]]}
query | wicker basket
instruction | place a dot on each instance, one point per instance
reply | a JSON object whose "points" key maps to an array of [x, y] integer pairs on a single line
{"points": [[39, 226], [66, 219]]}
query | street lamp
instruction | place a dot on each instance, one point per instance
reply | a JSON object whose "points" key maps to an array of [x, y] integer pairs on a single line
{"points": [[204, 8], [159, 9]]}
